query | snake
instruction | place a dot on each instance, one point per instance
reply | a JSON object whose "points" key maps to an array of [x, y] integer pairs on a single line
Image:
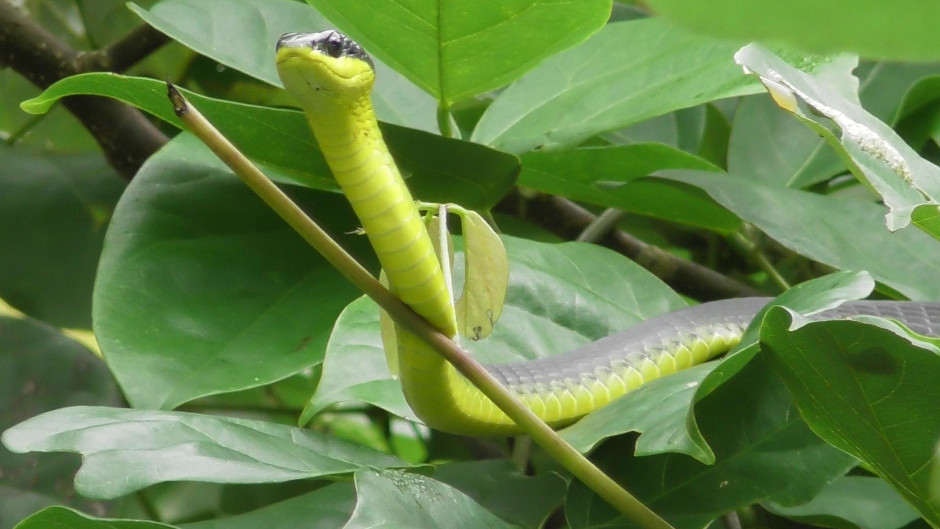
{"points": [[331, 77]]}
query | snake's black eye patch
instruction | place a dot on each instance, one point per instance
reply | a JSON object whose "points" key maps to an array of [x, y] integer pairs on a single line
{"points": [[334, 44], [329, 42]]}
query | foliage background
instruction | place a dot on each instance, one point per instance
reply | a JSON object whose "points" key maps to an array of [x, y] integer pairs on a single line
{"points": [[222, 330]]}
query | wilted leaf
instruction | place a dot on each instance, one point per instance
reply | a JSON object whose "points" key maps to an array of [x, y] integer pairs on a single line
{"points": [[486, 277], [876, 154]]}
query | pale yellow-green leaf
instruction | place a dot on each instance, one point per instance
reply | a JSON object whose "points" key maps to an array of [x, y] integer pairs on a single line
{"points": [[486, 278]]}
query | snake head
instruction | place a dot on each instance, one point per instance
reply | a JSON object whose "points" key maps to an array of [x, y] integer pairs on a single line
{"points": [[324, 64]]}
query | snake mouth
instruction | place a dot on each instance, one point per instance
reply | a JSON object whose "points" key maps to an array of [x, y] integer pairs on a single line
{"points": [[330, 43]]}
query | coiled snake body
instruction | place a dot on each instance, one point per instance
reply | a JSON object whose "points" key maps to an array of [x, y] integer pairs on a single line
{"points": [[332, 78]]}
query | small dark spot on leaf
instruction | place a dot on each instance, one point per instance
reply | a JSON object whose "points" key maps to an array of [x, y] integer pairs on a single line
{"points": [[303, 343], [873, 360]]}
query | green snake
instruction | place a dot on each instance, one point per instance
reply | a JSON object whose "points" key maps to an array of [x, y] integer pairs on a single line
{"points": [[331, 77]]}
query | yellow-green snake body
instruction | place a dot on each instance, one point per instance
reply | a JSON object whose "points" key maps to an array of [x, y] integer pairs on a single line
{"points": [[331, 77]]}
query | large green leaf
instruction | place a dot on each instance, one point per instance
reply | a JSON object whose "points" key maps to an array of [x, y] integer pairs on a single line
{"points": [[612, 177], [870, 392], [60, 517], [495, 485], [55, 209], [503, 489], [202, 289], [438, 169], [763, 451], [903, 29], [559, 297], [325, 508], [456, 50], [41, 370], [401, 499], [852, 502], [127, 450], [772, 148], [586, 90], [876, 154], [827, 229], [209, 28]]}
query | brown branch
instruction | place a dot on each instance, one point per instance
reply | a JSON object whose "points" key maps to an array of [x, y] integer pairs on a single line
{"points": [[124, 134], [126, 51], [567, 219]]}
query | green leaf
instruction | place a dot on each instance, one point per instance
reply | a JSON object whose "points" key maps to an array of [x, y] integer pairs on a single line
{"points": [[495, 485], [202, 289], [715, 136], [60, 517], [208, 27], [560, 296], [763, 451], [868, 391], [499, 486], [328, 508], [28, 387], [438, 169], [876, 154], [486, 277], [827, 229], [770, 147], [401, 499], [868, 27], [613, 177], [55, 209], [126, 450], [852, 502], [892, 91], [454, 56], [355, 368], [927, 218], [60, 132], [583, 91]]}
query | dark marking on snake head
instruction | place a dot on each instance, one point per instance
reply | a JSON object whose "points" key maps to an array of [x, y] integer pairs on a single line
{"points": [[334, 44], [329, 42], [489, 316], [477, 333]]}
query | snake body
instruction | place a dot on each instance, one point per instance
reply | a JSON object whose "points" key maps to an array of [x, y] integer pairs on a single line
{"points": [[332, 77]]}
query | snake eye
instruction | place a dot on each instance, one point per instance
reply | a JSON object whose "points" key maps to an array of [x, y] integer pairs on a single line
{"points": [[334, 45]]}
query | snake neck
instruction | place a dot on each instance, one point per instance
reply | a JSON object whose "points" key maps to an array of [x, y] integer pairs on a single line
{"points": [[352, 143]]}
